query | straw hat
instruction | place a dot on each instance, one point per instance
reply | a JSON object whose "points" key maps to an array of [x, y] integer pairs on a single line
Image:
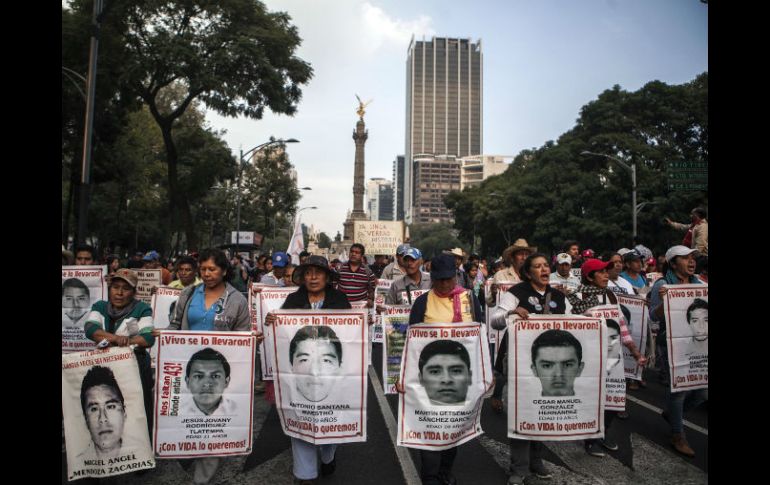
{"points": [[519, 245]]}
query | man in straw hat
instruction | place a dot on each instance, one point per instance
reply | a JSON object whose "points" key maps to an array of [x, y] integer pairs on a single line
{"points": [[462, 278], [514, 257]]}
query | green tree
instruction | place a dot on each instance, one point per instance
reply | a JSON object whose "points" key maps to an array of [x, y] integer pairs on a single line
{"points": [[553, 193], [324, 241], [432, 239], [233, 56]]}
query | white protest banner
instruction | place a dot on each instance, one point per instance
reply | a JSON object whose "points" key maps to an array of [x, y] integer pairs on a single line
{"points": [[615, 385], [81, 287], [379, 237], [383, 286], [415, 294], [204, 394], [576, 272], [559, 396], [395, 321], [267, 299], [637, 325], [163, 308], [446, 373], [497, 335], [687, 329], [320, 374], [105, 425], [147, 279]]}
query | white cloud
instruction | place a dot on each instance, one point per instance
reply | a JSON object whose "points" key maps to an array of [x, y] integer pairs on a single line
{"points": [[381, 28]]}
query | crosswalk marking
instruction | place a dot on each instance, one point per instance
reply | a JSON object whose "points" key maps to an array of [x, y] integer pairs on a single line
{"points": [[407, 466]]}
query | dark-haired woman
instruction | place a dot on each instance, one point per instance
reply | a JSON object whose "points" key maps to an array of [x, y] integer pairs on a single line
{"points": [[532, 295], [214, 305], [315, 292]]}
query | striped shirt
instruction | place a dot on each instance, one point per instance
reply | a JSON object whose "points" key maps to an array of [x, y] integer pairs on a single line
{"points": [[357, 285]]}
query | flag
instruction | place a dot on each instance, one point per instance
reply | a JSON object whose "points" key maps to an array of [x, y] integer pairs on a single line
{"points": [[297, 243]]}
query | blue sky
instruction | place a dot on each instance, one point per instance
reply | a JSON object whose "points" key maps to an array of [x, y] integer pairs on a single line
{"points": [[543, 60]]}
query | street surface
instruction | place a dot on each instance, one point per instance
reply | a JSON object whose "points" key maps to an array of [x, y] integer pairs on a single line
{"points": [[645, 455]]}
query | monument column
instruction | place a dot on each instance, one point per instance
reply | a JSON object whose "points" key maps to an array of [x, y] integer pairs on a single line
{"points": [[359, 137]]}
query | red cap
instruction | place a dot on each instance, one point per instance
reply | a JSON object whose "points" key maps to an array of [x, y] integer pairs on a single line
{"points": [[592, 265], [588, 253]]}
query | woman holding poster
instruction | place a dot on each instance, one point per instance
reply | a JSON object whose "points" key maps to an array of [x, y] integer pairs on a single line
{"points": [[679, 270], [533, 295], [214, 305], [594, 292], [445, 302], [123, 320], [315, 292]]}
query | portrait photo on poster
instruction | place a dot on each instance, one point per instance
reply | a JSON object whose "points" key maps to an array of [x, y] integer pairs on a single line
{"points": [[445, 372], [207, 376], [104, 417], [686, 309]]}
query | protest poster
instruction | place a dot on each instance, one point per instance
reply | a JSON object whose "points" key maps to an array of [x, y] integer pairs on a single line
{"points": [[163, 308], [687, 330], [395, 321], [81, 287], [615, 385], [320, 374], [653, 277], [267, 299], [383, 286], [415, 294], [147, 279], [558, 395], [379, 237], [576, 272], [637, 326], [105, 425], [446, 373], [497, 335], [204, 394]]}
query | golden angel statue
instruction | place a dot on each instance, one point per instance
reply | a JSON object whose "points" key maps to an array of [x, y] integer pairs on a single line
{"points": [[361, 105]]}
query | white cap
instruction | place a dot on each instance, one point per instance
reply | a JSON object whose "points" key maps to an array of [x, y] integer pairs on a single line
{"points": [[623, 251], [680, 250], [564, 258]]}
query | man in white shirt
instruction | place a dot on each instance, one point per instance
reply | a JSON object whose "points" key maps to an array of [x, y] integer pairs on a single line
{"points": [[563, 278]]}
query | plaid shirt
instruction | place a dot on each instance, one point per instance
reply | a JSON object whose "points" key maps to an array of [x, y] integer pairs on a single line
{"points": [[589, 298]]}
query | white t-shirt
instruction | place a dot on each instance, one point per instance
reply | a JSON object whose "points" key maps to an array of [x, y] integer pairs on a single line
{"points": [[621, 283]]}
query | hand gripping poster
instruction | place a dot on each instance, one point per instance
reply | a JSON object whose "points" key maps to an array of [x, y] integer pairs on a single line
{"points": [[320, 374], [635, 311], [556, 377], [204, 394], [81, 287], [147, 279], [447, 373], [615, 385], [265, 300], [105, 426], [163, 308], [395, 320], [687, 332]]}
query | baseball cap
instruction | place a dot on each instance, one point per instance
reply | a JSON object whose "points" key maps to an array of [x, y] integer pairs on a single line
{"points": [[680, 250], [126, 275], [623, 251], [442, 267], [588, 253], [651, 261], [564, 258], [401, 250], [631, 256], [280, 259], [592, 265], [151, 256], [413, 253]]}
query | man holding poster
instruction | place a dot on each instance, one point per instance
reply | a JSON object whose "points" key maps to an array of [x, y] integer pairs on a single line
{"points": [[441, 378], [679, 272]]}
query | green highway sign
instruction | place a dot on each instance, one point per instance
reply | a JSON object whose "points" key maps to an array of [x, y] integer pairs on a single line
{"points": [[678, 166], [687, 186]]}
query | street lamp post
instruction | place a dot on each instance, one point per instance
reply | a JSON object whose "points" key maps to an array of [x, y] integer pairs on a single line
{"points": [[632, 170], [242, 162]]}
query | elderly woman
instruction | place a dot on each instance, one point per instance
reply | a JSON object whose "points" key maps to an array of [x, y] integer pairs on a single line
{"points": [[315, 292], [445, 302], [594, 292], [532, 295], [214, 305], [123, 320]]}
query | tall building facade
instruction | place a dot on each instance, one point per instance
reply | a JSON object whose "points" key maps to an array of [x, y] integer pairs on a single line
{"points": [[477, 168], [434, 178], [379, 199], [444, 78], [399, 165]]}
